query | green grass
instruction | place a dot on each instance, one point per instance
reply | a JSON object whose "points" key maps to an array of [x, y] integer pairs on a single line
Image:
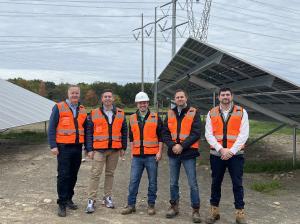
{"points": [[270, 166], [262, 127], [266, 187], [28, 136]]}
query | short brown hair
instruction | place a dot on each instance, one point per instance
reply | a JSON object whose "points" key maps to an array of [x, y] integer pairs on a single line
{"points": [[181, 90], [225, 89], [73, 86], [106, 91]]}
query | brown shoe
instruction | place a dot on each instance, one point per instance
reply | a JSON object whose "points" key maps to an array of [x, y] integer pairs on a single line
{"points": [[240, 216], [173, 210], [151, 210], [214, 215], [196, 215], [128, 210]]}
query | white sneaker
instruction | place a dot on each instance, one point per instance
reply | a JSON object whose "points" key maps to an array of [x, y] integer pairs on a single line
{"points": [[107, 201], [90, 206]]}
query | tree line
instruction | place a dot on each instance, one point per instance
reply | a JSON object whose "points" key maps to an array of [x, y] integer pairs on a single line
{"points": [[90, 93]]}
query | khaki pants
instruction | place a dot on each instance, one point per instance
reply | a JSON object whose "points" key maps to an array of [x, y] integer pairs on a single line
{"points": [[110, 159]]}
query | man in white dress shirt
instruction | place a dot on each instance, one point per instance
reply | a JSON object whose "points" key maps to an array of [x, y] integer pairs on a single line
{"points": [[226, 131]]}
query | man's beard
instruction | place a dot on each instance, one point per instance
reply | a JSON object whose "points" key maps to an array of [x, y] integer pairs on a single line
{"points": [[226, 101]]}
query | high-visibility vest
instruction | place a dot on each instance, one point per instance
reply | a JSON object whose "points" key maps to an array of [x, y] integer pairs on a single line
{"points": [[226, 130], [150, 138], [184, 129], [66, 128], [101, 134]]}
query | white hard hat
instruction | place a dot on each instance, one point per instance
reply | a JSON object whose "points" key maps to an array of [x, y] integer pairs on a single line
{"points": [[141, 96]]}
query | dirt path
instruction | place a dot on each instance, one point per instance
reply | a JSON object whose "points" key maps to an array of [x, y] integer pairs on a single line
{"points": [[28, 193]]}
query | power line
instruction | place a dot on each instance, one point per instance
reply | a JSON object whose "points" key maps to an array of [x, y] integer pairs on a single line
{"points": [[248, 9], [76, 6], [17, 14], [221, 6], [73, 37], [279, 7], [98, 2], [247, 53], [255, 33], [254, 24]]}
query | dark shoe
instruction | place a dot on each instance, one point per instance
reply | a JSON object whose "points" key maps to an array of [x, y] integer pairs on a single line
{"points": [[196, 215], [151, 210], [240, 216], [173, 210], [214, 215], [62, 211], [70, 204], [128, 210]]}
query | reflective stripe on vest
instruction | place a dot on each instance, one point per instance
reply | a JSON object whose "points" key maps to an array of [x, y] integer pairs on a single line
{"points": [[186, 125], [66, 130], [150, 139], [233, 125], [101, 129]]}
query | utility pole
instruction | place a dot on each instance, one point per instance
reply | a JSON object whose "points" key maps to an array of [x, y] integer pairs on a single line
{"points": [[173, 27], [142, 87], [155, 51], [155, 81]]}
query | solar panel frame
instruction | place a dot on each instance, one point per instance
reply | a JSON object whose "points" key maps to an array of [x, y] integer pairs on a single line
{"points": [[21, 107], [266, 89]]}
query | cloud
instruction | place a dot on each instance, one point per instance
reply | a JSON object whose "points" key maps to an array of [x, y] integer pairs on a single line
{"points": [[111, 53]]}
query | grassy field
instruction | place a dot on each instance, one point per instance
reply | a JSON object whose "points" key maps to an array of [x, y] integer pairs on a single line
{"points": [[266, 187], [24, 136], [270, 166], [262, 127]]}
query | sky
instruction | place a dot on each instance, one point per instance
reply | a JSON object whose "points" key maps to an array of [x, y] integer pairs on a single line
{"points": [[92, 40]]}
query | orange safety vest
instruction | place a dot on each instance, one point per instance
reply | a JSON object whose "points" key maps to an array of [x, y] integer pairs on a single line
{"points": [[185, 128], [66, 130], [233, 124], [150, 138], [101, 129]]}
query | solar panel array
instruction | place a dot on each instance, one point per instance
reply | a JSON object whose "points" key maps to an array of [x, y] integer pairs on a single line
{"points": [[202, 69], [21, 107]]}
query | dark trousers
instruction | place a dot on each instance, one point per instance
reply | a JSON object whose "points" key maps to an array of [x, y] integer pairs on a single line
{"points": [[68, 164], [235, 167]]}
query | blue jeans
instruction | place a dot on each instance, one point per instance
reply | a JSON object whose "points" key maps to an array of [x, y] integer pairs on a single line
{"points": [[235, 167], [190, 170], [138, 164]]}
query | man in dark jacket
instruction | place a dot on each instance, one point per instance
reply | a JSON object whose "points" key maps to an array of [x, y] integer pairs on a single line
{"points": [[106, 141], [66, 136], [181, 134]]}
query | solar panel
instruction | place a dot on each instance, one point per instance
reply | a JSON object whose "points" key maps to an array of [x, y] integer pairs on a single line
{"points": [[202, 69], [21, 107]]}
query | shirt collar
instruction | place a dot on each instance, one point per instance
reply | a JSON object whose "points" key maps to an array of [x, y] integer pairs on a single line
{"points": [[140, 114], [231, 105], [105, 108], [70, 104]]}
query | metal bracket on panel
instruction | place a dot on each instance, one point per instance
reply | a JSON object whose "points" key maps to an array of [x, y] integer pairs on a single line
{"points": [[248, 103]]}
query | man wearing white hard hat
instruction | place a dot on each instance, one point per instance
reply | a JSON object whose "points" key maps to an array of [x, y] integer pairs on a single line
{"points": [[145, 129]]}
